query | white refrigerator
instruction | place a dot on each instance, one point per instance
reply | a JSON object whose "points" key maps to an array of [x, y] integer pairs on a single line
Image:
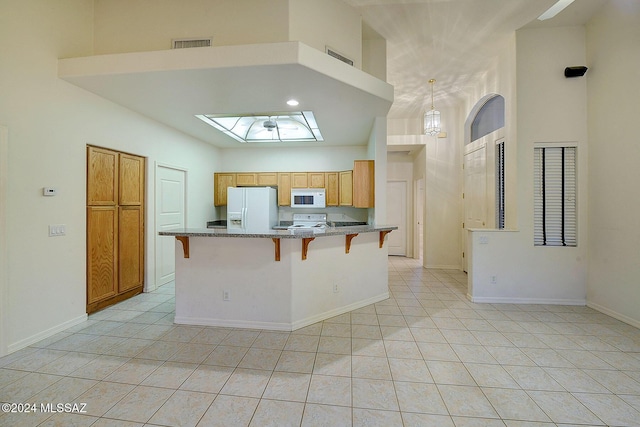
{"points": [[251, 209]]}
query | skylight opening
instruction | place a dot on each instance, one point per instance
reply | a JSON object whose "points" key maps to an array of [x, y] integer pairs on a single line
{"points": [[267, 127]]}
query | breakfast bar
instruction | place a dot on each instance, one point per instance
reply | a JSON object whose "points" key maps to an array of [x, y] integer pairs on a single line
{"points": [[277, 279]]}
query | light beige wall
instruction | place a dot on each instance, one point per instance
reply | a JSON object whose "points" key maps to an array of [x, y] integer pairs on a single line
{"points": [[143, 25], [321, 23], [550, 108], [49, 124], [613, 58]]}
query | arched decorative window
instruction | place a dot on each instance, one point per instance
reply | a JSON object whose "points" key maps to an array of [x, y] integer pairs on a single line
{"points": [[489, 118]]}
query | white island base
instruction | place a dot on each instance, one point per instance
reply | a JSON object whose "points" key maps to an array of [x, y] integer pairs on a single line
{"points": [[237, 282]]}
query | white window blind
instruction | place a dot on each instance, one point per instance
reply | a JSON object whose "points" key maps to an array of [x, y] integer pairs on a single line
{"points": [[555, 188], [500, 206]]}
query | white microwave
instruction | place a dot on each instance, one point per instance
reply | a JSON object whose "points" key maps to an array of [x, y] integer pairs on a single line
{"points": [[308, 198]]}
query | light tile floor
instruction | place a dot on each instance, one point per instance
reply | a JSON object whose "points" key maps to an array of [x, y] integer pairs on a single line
{"points": [[425, 357]]}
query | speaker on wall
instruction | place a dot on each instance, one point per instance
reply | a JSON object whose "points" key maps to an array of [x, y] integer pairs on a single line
{"points": [[577, 71]]}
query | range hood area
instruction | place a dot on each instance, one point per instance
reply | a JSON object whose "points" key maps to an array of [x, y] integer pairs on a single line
{"points": [[175, 86]]}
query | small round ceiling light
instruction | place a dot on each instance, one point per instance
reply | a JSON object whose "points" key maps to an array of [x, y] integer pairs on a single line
{"points": [[292, 103]]}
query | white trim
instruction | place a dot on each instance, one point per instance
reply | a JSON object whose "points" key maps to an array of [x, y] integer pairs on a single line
{"points": [[555, 144], [338, 311], [507, 300], [4, 264], [614, 314], [278, 326], [46, 333], [444, 267]]}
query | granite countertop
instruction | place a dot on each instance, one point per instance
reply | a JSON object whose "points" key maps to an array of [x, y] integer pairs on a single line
{"points": [[283, 234]]}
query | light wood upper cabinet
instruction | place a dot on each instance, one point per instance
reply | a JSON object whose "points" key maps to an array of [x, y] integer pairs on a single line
{"points": [[220, 183], [332, 188], [347, 188], [246, 179], [299, 180], [102, 176], [284, 189], [267, 178], [131, 182], [363, 184], [345, 181], [316, 179]]}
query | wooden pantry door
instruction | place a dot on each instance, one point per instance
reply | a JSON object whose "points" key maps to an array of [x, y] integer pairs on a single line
{"points": [[115, 226]]}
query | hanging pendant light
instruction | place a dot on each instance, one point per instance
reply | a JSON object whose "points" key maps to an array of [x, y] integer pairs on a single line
{"points": [[432, 117]]}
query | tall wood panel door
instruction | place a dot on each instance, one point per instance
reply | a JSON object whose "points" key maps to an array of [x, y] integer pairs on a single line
{"points": [[130, 248], [102, 253], [115, 226]]}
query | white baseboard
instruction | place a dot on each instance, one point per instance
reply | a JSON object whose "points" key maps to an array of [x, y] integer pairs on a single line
{"points": [[444, 267], [505, 300], [225, 323], [338, 311], [277, 326], [614, 314], [45, 334]]}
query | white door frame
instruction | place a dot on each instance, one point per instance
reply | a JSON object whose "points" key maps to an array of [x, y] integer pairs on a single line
{"points": [[407, 215], [470, 149], [4, 276], [156, 240], [418, 217]]}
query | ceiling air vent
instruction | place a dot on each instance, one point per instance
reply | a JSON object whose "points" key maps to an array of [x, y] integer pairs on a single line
{"points": [[339, 56], [197, 42]]}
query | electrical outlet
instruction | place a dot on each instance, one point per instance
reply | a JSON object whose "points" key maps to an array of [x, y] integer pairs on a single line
{"points": [[226, 296], [335, 288], [493, 279]]}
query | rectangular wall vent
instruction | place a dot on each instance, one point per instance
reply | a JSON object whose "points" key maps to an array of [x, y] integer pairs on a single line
{"points": [[339, 56], [197, 42]]}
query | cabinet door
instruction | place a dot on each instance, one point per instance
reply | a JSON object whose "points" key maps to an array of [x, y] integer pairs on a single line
{"points": [[220, 183], [284, 189], [131, 182], [316, 179], [267, 178], [102, 252], [246, 179], [363, 184], [346, 188], [332, 186], [102, 177], [130, 248], [299, 180]]}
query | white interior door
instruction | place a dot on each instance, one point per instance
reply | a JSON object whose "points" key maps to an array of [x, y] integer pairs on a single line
{"points": [[397, 215], [475, 193], [170, 213]]}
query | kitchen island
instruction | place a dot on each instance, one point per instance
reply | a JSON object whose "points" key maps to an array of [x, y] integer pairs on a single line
{"points": [[277, 279]]}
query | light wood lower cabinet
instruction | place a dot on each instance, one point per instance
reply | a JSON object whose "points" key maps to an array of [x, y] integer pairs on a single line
{"points": [[115, 226]]}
